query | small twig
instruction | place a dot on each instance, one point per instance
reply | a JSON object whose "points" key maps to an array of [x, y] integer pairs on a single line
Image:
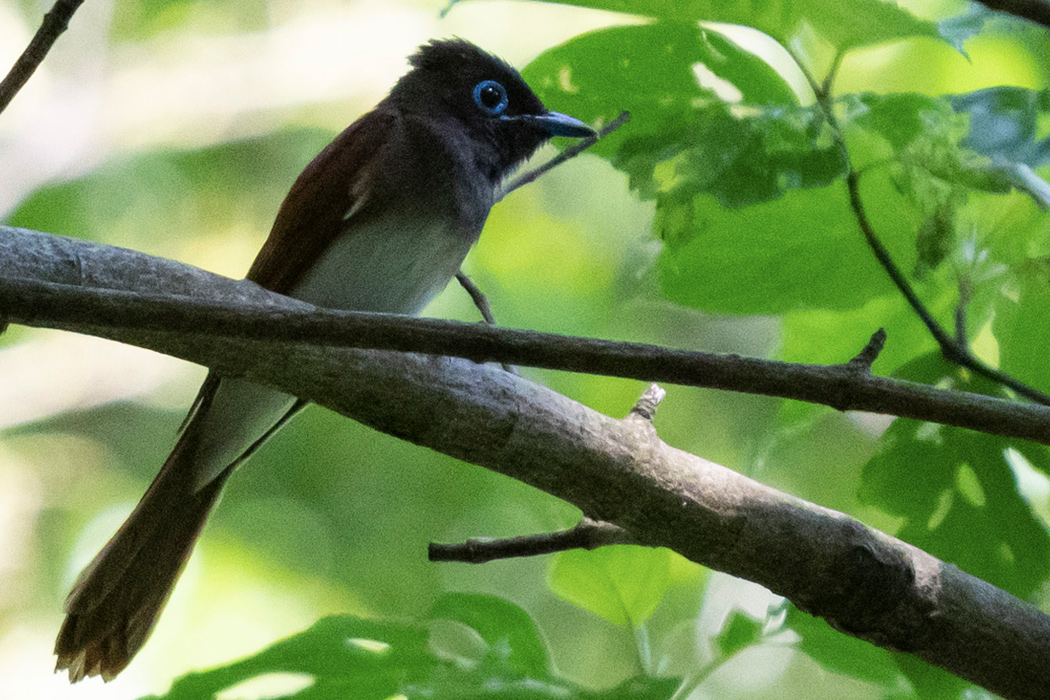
{"points": [[55, 22], [481, 302], [570, 152], [650, 399], [477, 296], [1026, 181], [586, 534], [866, 357]]}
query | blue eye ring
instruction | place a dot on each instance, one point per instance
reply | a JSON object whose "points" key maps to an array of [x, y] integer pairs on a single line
{"points": [[490, 97]]}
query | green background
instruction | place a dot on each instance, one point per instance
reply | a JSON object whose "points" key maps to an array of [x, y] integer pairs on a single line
{"points": [[716, 220]]}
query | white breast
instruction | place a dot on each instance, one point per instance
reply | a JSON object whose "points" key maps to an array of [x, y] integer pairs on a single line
{"points": [[387, 266]]}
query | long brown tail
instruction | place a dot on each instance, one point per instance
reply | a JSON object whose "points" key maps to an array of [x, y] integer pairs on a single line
{"points": [[116, 600]]}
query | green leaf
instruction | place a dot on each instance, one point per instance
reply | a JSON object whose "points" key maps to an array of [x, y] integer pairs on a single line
{"points": [[640, 688], [738, 236], [959, 29], [844, 25], [1006, 123], [504, 627], [935, 239], [961, 502], [623, 584], [902, 118], [651, 71], [739, 631], [926, 142], [367, 658], [689, 135], [933, 683], [803, 250], [1021, 326], [841, 653], [349, 657]]}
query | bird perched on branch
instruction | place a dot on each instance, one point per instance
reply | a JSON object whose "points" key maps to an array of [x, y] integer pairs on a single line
{"points": [[379, 221]]}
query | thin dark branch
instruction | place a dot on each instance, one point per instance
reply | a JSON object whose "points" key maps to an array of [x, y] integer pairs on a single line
{"points": [[477, 296], [120, 315], [587, 534], [829, 79], [954, 350], [866, 357], [1037, 11], [481, 302], [570, 152], [55, 22], [947, 343]]}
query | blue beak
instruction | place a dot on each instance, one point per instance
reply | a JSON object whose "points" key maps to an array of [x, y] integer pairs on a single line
{"points": [[558, 124]]}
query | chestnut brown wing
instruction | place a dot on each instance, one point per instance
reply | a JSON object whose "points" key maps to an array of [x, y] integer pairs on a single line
{"points": [[334, 187]]}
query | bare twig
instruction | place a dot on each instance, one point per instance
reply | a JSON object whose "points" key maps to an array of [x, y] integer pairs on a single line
{"points": [[647, 403], [570, 152], [587, 534], [866, 357], [55, 22], [481, 302], [477, 296]]}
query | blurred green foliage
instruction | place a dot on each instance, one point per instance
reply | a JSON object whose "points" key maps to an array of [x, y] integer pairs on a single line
{"points": [[717, 219]]}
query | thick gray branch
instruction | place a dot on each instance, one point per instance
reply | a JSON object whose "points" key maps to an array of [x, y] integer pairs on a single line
{"points": [[148, 300], [864, 582]]}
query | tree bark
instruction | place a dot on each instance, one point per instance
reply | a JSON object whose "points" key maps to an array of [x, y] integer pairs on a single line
{"points": [[864, 582]]}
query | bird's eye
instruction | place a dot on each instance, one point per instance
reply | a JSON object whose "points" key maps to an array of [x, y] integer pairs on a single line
{"points": [[490, 96]]}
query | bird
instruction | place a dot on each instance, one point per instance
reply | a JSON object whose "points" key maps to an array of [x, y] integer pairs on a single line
{"points": [[380, 220]]}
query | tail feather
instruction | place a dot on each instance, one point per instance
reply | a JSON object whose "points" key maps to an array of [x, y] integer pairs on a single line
{"points": [[116, 600]]}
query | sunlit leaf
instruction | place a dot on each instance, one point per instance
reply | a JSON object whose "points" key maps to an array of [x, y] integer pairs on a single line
{"points": [[845, 25], [507, 629], [622, 584], [654, 71]]}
